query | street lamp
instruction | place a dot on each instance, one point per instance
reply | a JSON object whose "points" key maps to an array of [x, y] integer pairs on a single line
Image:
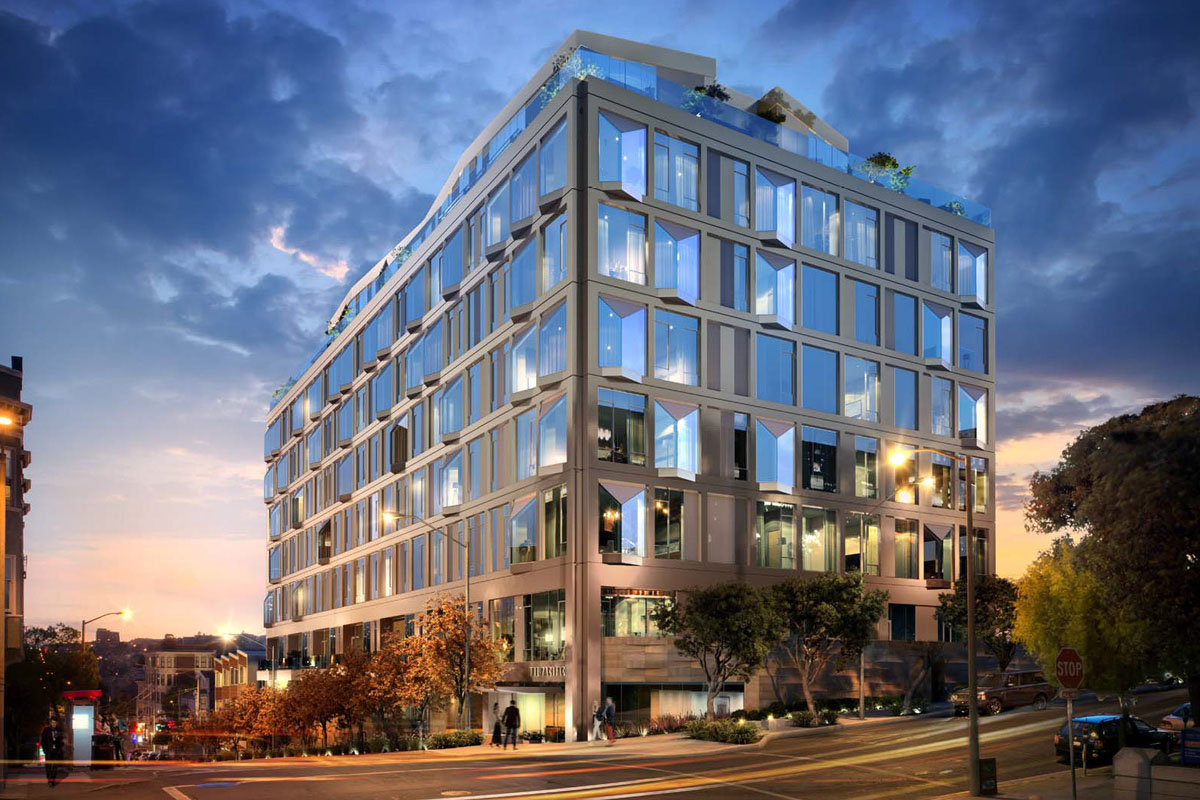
{"points": [[123, 614], [898, 458], [466, 546]]}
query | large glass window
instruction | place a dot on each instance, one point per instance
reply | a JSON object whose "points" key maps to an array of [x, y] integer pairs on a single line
{"points": [[775, 288], [503, 615], [861, 543], [904, 475], [552, 347], [775, 371], [775, 452], [420, 562], [818, 384], [524, 190], [906, 548], [452, 480], [522, 276], [904, 397], [450, 419], [676, 348], [554, 253], [819, 459], [937, 333], [775, 535], [940, 399], [554, 522], [741, 447], [735, 276], [383, 390], [904, 323], [972, 272], [621, 343], [903, 620], [545, 620], [620, 244], [676, 171], [972, 343], [866, 312], [818, 551], [524, 359], [676, 436], [668, 523], [622, 153], [941, 471], [414, 296], [862, 389], [866, 467], [552, 433], [677, 260], [819, 297], [622, 427], [979, 465], [523, 530], [972, 412], [819, 220], [981, 550], [432, 349], [862, 235], [741, 194], [622, 519], [450, 260], [527, 444], [941, 262], [630, 612], [552, 159], [775, 205], [939, 552]]}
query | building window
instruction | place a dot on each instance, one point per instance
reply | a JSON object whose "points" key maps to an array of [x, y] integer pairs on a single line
{"points": [[552, 349], [501, 543], [419, 565], [972, 343], [775, 288], [677, 260], [622, 153], [474, 469], [972, 272], [861, 543], [862, 236], [676, 436], [972, 412], [776, 369], [450, 257], [940, 397], [818, 384], [941, 262], [775, 452], [866, 467], [866, 312], [741, 194], [554, 252], [452, 480], [523, 530], [450, 417], [904, 323], [981, 551], [526, 425], [676, 348], [903, 619], [775, 205], [500, 375], [630, 612], [735, 276], [545, 619], [819, 297], [904, 397], [432, 349], [818, 551], [620, 244], [668, 523], [939, 552], [676, 171], [774, 536], [503, 615], [621, 343], [524, 190], [552, 159], [819, 220], [552, 432], [906, 548], [941, 470], [979, 466], [741, 447], [554, 528], [524, 359], [904, 477], [622, 519], [622, 426], [522, 276], [819, 457], [862, 389], [937, 334]]}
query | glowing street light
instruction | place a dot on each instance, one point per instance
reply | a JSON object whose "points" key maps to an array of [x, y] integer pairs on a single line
{"points": [[123, 614]]}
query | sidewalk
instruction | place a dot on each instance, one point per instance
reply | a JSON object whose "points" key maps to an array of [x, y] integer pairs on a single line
{"points": [[1054, 786]]}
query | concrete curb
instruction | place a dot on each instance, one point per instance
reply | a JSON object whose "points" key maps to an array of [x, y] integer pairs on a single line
{"points": [[792, 733]]}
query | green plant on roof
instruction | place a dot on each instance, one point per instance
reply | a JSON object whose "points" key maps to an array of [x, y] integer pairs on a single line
{"points": [[955, 207], [774, 106], [337, 327], [883, 168], [565, 68], [695, 99]]}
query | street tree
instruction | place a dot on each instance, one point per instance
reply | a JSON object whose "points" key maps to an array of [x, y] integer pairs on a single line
{"points": [[822, 620], [727, 627], [995, 600], [52, 663], [317, 697], [442, 640], [1130, 485]]}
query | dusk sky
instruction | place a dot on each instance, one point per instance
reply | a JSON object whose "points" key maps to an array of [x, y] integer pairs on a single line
{"points": [[188, 188]]}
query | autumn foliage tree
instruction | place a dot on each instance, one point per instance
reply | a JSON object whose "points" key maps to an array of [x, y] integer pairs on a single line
{"points": [[440, 652], [318, 697]]}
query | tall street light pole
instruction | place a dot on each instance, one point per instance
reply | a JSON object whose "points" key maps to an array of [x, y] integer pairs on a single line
{"points": [[123, 614], [898, 458]]}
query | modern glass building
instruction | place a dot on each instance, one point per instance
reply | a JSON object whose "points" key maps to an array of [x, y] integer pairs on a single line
{"points": [[647, 338]]}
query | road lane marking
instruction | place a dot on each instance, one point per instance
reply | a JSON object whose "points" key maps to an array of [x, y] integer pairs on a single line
{"points": [[175, 793]]}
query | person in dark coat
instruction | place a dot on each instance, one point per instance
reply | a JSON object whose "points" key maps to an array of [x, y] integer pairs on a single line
{"points": [[512, 721], [497, 731], [610, 720], [54, 749]]}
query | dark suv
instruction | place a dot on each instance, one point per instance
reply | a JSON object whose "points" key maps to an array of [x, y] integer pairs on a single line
{"points": [[998, 691], [1097, 738]]}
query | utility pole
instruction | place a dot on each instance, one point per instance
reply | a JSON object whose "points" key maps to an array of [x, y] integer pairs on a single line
{"points": [[972, 678]]}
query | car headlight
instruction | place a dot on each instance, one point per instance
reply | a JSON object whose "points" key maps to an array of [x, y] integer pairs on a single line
{"points": [[983, 695]]}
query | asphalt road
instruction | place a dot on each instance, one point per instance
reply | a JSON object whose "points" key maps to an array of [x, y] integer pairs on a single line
{"points": [[917, 758]]}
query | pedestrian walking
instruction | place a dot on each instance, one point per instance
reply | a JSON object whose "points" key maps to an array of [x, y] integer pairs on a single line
{"points": [[597, 720], [512, 721], [53, 749], [610, 720], [497, 731]]}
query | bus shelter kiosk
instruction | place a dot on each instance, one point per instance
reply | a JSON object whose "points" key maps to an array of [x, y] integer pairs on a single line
{"points": [[81, 716]]}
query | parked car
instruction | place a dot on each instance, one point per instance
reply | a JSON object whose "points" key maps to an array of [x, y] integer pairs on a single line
{"points": [[998, 691], [1178, 719], [1101, 734]]}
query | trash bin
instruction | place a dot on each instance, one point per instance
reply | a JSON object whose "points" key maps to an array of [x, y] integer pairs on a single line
{"points": [[103, 752]]}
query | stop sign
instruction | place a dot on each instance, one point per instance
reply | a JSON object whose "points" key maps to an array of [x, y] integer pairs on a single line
{"points": [[1068, 668]]}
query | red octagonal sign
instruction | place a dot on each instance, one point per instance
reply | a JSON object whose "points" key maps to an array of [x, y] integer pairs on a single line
{"points": [[1068, 668]]}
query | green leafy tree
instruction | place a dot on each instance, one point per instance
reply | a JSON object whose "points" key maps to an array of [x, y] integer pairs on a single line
{"points": [[727, 627], [823, 619], [52, 663], [1130, 484], [995, 613]]}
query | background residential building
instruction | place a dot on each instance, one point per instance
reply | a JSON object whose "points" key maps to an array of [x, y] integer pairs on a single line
{"points": [[16, 460]]}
